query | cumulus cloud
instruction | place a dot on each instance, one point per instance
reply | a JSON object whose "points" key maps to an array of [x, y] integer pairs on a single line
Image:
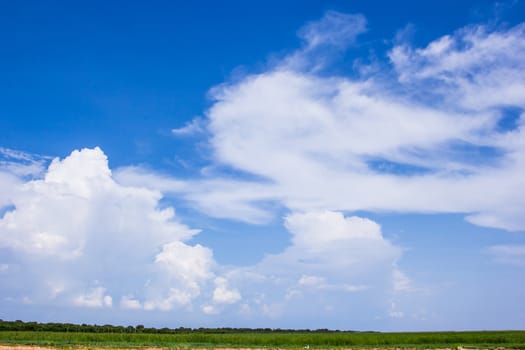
{"points": [[77, 227], [184, 269], [306, 227], [223, 294], [331, 262]]}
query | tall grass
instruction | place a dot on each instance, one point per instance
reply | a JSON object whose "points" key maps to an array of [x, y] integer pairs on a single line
{"points": [[507, 339]]}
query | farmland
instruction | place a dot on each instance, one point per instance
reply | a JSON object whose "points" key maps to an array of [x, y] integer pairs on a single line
{"points": [[126, 337]]}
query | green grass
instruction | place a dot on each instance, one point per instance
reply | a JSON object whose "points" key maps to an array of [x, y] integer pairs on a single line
{"points": [[507, 339]]}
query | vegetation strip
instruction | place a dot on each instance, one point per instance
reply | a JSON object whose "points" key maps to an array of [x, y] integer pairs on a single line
{"points": [[66, 335], [510, 339]]}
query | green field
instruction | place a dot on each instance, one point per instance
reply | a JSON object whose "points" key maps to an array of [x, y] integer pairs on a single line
{"points": [[208, 339]]}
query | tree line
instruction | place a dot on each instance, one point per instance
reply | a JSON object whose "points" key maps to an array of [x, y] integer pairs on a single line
{"points": [[19, 325]]}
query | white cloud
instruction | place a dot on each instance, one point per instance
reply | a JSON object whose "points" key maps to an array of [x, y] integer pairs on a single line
{"points": [[223, 294], [8, 183], [77, 226], [22, 163], [401, 281], [336, 228], [334, 29], [94, 298], [174, 297], [129, 302], [81, 185], [478, 68], [184, 269], [306, 280], [334, 244], [330, 258], [185, 263], [317, 142], [196, 125], [319, 282], [209, 309], [297, 130], [222, 198], [323, 38]]}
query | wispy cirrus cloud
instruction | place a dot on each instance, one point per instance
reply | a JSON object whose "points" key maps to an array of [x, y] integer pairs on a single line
{"points": [[195, 126], [446, 121], [22, 163]]}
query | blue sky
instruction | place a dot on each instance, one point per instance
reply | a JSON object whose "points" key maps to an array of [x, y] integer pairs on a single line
{"points": [[285, 164]]}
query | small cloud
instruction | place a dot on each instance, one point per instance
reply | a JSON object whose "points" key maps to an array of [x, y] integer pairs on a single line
{"points": [[130, 303], [333, 33], [210, 309], [195, 126], [223, 294], [334, 29], [175, 297], [94, 298], [401, 281], [311, 281]]}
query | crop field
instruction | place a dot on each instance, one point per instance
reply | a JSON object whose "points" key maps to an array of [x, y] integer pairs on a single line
{"points": [[260, 340]]}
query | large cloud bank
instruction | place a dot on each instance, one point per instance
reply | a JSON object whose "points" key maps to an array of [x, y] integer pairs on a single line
{"points": [[77, 238], [437, 129]]}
